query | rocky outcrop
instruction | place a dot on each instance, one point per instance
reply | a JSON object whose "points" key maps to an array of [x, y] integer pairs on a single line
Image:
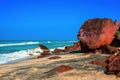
{"points": [[44, 48], [113, 65], [76, 46], [57, 51], [95, 33], [46, 51], [107, 49]]}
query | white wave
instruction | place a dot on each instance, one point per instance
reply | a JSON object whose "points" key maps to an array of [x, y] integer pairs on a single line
{"points": [[49, 41], [17, 44], [61, 47], [13, 57], [57, 48]]}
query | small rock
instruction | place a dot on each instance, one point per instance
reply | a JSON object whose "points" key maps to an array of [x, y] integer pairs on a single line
{"points": [[61, 68]]}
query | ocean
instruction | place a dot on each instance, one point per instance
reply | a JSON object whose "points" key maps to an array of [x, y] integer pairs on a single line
{"points": [[13, 51]]}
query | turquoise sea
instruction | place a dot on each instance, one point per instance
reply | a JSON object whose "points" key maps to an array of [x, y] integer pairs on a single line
{"points": [[11, 51]]}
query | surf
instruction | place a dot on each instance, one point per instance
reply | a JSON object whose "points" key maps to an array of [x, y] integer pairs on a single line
{"points": [[18, 44]]}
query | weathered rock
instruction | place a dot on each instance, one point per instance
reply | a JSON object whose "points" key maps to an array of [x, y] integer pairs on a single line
{"points": [[76, 46], [46, 53], [69, 48], [110, 58], [113, 64], [109, 49], [44, 48], [118, 74], [57, 51], [61, 68], [96, 33]]}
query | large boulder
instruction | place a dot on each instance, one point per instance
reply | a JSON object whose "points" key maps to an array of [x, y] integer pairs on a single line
{"points": [[95, 33]]}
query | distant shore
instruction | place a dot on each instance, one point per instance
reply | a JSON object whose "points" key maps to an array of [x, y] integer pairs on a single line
{"points": [[35, 68]]}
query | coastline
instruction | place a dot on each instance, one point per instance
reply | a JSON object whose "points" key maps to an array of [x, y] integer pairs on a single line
{"points": [[35, 68]]}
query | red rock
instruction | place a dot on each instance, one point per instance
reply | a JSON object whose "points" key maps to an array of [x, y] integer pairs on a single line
{"points": [[99, 62], [61, 68], [45, 53], [96, 33], [54, 57], [118, 74], [114, 65], [44, 48], [69, 48], [110, 58], [76, 46], [109, 49], [57, 51]]}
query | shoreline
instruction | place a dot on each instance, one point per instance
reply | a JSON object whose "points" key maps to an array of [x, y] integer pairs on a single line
{"points": [[35, 68]]}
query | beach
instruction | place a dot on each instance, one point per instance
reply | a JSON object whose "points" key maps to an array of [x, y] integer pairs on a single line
{"points": [[40, 69], [16, 50]]}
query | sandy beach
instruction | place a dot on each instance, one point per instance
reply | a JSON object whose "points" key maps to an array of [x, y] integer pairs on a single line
{"points": [[35, 69]]}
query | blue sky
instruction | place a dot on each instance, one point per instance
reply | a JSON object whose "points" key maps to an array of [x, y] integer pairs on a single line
{"points": [[51, 19]]}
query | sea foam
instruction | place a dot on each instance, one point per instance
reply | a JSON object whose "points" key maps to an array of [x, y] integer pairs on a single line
{"points": [[17, 44], [14, 57]]}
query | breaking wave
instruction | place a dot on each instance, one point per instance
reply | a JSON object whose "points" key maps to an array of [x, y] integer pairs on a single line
{"points": [[17, 44]]}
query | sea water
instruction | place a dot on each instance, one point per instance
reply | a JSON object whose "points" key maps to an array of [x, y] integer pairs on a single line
{"points": [[13, 51]]}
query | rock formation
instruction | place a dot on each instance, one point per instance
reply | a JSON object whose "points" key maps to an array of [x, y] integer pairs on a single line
{"points": [[107, 49], [44, 48], [46, 51], [76, 46], [95, 33], [113, 64]]}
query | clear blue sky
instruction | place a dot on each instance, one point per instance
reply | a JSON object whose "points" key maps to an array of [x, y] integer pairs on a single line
{"points": [[51, 19]]}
